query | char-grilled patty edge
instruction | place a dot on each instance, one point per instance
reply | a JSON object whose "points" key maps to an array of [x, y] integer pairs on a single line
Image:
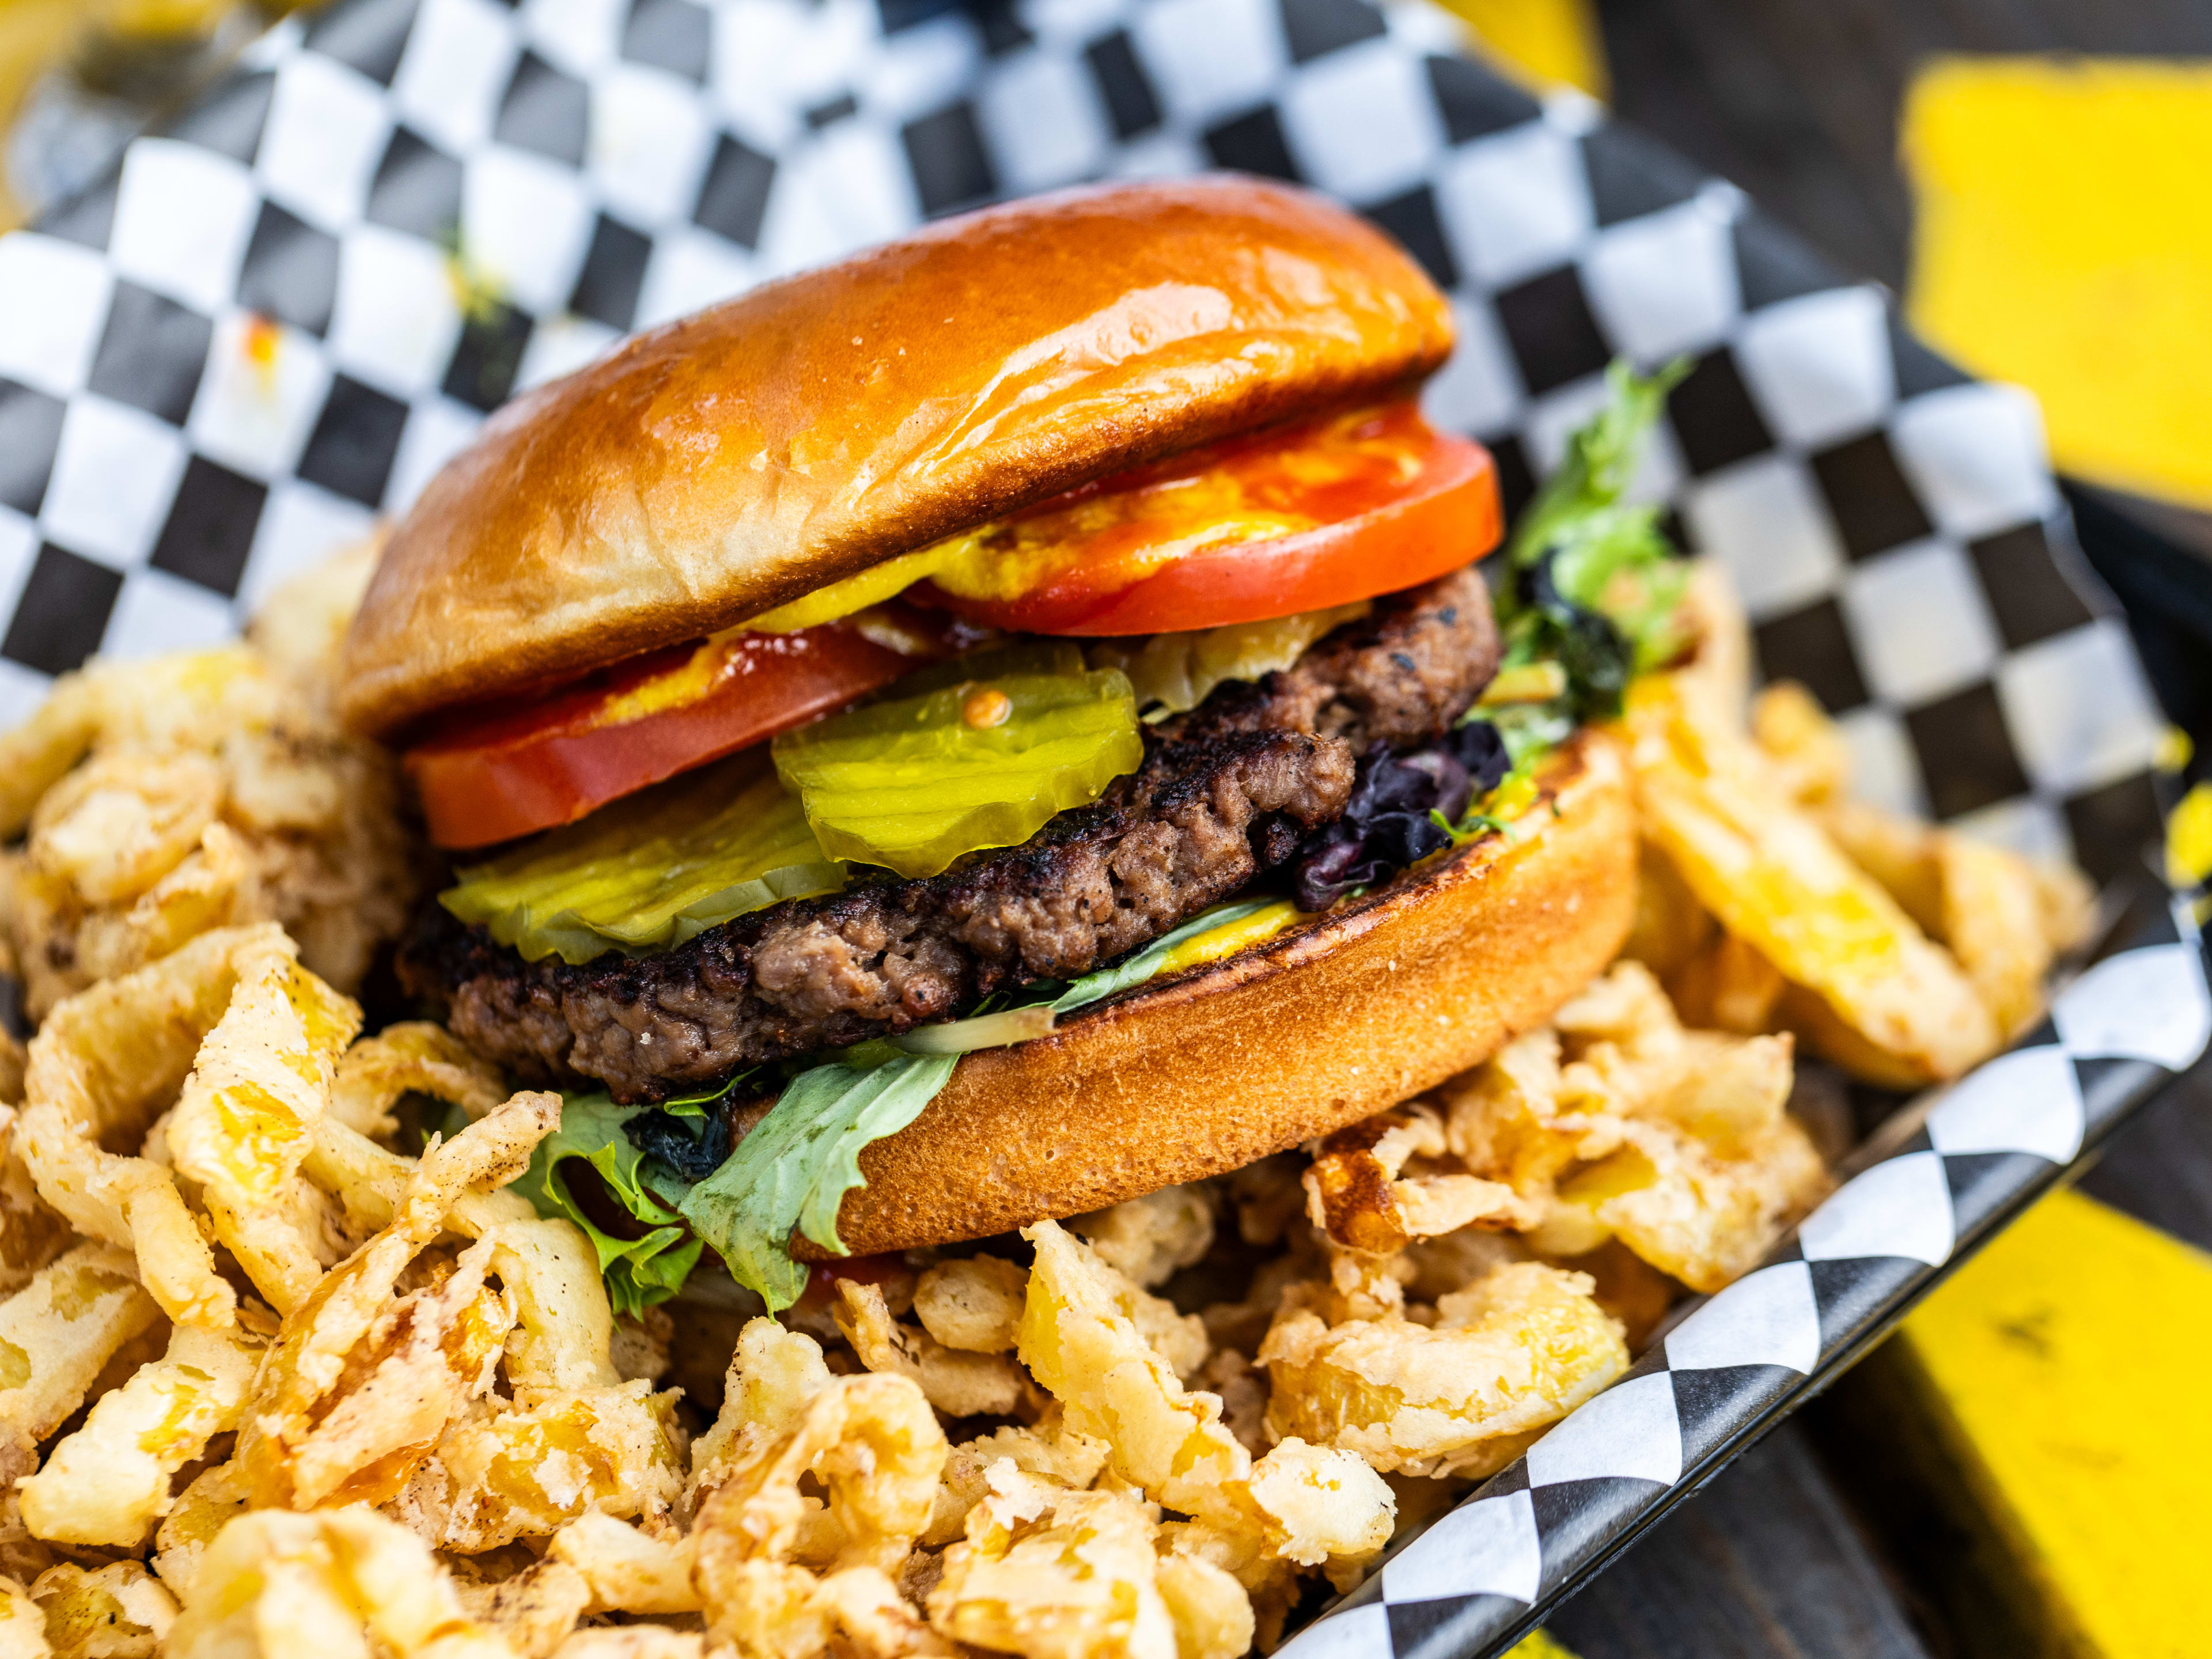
{"points": [[1224, 794]]}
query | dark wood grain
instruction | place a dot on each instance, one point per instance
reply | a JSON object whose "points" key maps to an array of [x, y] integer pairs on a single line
{"points": [[1766, 1562], [2159, 1169], [1796, 100]]}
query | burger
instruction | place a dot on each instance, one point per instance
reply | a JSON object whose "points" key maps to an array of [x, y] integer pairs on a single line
{"points": [[1005, 724]]}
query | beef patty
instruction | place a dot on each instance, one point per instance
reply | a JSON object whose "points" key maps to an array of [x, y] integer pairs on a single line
{"points": [[1224, 792]]}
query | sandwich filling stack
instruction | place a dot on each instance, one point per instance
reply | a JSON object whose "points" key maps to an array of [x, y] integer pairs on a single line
{"points": [[1006, 724]]}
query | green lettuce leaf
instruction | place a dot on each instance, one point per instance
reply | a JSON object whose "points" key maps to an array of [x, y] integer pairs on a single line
{"points": [[795, 1167], [798, 1163], [1612, 583], [1530, 729], [639, 1272], [1600, 460], [696, 1105]]}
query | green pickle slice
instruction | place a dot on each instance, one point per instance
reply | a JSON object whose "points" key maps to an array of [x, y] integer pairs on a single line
{"points": [[912, 782], [651, 872]]}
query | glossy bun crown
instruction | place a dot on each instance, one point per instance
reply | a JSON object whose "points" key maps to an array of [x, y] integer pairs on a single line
{"points": [[719, 466]]}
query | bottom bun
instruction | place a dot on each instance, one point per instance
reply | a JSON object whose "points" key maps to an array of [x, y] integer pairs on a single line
{"points": [[1324, 1025]]}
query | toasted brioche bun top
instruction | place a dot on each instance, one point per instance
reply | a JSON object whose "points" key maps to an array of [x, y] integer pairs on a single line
{"points": [[722, 465]]}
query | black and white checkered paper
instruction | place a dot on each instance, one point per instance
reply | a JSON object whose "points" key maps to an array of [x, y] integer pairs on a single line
{"points": [[284, 312], [282, 315], [1979, 1150]]}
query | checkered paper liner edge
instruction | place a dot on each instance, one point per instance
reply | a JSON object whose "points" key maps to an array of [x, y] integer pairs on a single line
{"points": [[1485, 1573], [280, 314]]}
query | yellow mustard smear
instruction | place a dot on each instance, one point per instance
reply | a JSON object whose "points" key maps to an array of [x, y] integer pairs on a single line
{"points": [[1512, 797], [1232, 937]]}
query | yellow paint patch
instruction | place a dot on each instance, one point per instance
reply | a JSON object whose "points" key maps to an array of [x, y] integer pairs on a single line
{"points": [[2189, 839], [2064, 1367], [2174, 750], [34, 36], [1538, 1644], [1544, 42], [2064, 241]]}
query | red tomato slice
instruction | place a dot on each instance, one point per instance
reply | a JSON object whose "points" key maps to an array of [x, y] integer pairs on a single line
{"points": [[548, 763], [1403, 532], [1367, 503]]}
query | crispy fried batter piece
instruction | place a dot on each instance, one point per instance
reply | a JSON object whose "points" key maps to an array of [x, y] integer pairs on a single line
{"points": [[32, 1233], [103, 1066], [300, 628], [1356, 1194], [362, 1379], [208, 789], [972, 1304], [2005, 917], [1617, 1122], [501, 1472], [415, 1057], [629, 1570], [773, 1374], [1081, 1342], [216, 1497], [1811, 762], [1508, 1356], [531, 1612], [119, 1611], [57, 1334], [633, 1642], [871, 1442], [1050, 1450], [1053, 1574], [1147, 1239], [109, 1482], [22, 1623], [564, 1327], [246, 1120], [1903, 952], [1764, 867], [274, 1585], [1614, 1123], [957, 1383], [872, 1445]]}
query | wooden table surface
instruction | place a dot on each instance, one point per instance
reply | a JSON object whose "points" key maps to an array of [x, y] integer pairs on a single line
{"points": [[1796, 99], [1800, 1548]]}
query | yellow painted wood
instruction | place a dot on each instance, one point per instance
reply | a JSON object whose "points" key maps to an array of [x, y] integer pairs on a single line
{"points": [[36, 35], [2189, 839], [33, 34], [1538, 1644], [2064, 240], [1544, 42], [2064, 1373]]}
